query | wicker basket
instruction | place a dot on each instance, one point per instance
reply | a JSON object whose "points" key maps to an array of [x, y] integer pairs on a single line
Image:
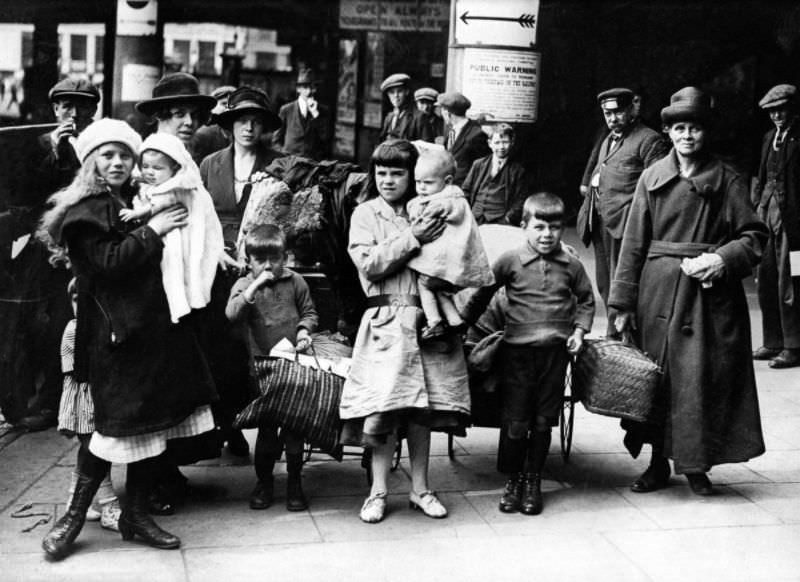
{"points": [[616, 379]]}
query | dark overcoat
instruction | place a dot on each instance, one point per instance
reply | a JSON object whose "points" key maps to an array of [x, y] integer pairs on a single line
{"points": [[471, 143], [619, 169], [412, 125], [146, 373], [307, 136], [217, 173], [700, 336]]}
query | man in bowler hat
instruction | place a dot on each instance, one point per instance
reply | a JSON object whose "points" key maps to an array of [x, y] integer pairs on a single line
{"points": [[612, 174], [777, 197], [306, 124]]}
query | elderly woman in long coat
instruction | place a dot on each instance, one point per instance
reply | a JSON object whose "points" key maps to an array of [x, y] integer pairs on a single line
{"points": [[691, 238]]}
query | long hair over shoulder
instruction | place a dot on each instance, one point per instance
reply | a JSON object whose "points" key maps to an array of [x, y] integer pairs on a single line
{"points": [[86, 183], [393, 153]]}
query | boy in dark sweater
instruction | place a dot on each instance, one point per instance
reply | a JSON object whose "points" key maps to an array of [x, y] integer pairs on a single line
{"points": [[274, 303], [550, 308]]}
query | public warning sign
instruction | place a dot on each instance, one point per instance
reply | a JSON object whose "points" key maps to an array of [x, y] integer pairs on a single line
{"points": [[502, 84]]}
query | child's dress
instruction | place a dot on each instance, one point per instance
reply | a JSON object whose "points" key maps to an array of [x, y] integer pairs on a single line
{"points": [[191, 253], [457, 256], [76, 409]]}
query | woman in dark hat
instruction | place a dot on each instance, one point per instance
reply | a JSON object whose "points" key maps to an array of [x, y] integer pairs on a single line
{"points": [[691, 238], [227, 176], [178, 107]]}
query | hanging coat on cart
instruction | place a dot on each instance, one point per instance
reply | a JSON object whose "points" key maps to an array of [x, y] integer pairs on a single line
{"points": [[700, 336]]}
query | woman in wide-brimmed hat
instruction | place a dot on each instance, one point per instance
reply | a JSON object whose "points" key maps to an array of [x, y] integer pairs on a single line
{"points": [[691, 238], [178, 107], [227, 175]]}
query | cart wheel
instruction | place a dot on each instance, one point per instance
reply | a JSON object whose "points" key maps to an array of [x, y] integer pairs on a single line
{"points": [[398, 452], [567, 416]]}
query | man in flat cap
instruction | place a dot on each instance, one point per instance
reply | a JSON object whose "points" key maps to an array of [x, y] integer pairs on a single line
{"points": [[404, 121], [211, 137], [425, 98], [463, 137], [37, 346], [610, 180], [306, 124], [777, 197]]}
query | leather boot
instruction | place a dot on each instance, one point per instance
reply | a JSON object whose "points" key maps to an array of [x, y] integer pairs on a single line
{"points": [[58, 541], [295, 498], [511, 499], [532, 502], [135, 519]]}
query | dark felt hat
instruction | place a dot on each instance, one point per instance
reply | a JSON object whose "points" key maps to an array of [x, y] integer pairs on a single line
{"points": [[454, 102], [74, 88], [306, 77], [779, 95], [617, 98], [396, 80], [249, 100], [688, 104], [176, 88]]}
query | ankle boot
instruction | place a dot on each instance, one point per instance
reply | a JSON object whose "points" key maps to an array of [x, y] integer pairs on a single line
{"points": [[295, 498], [511, 499], [532, 502], [135, 519], [58, 541]]}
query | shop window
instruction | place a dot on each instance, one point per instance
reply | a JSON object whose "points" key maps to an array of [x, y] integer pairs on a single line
{"points": [[180, 53], [77, 52], [205, 57]]}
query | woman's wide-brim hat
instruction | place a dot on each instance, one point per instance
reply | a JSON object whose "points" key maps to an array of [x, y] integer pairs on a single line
{"points": [[249, 100], [689, 104], [176, 89]]}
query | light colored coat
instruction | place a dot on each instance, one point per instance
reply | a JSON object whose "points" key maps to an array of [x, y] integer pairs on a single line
{"points": [[390, 371], [457, 256]]}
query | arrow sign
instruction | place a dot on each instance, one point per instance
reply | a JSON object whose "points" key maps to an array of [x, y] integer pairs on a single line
{"points": [[498, 23], [524, 20]]}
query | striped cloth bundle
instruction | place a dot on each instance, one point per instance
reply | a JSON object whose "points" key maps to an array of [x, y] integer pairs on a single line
{"points": [[300, 398]]}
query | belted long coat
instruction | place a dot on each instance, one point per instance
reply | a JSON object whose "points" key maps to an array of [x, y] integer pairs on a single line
{"points": [[700, 336]]}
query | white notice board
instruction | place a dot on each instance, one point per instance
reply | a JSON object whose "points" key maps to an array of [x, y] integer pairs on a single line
{"points": [[501, 22], [503, 84]]}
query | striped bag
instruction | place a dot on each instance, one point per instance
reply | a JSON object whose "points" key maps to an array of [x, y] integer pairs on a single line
{"points": [[300, 398]]}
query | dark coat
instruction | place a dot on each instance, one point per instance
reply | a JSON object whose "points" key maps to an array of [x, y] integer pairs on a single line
{"points": [[471, 143], [216, 171], [412, 125], [516, 185], [700, 337], [787, 188], [308, 137], [619, 171], [146, 373]]}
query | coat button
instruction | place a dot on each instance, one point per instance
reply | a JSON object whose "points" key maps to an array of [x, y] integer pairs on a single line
{"points": [[686, 330]]}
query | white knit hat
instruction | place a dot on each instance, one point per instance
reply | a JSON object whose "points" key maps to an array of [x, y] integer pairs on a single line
{"points": [[167, 144], [106, 131]]}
